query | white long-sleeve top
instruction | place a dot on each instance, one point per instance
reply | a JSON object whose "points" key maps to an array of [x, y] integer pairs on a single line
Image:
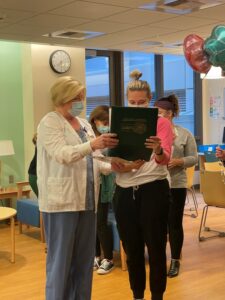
{"points": [[62, 165]]}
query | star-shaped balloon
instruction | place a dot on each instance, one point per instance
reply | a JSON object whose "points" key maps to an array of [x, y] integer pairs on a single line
{"points": [[214, 46]]}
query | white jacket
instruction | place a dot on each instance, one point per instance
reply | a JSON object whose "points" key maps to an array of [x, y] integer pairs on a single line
{"points": [[62, 165]]}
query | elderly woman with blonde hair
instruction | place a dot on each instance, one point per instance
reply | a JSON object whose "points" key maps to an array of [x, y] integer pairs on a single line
{"points": [[68, 191]]}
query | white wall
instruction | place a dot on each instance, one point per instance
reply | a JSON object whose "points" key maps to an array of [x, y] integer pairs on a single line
{"points": [[214, 120]]}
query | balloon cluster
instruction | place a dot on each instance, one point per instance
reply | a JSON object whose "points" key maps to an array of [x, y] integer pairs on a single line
{"points": [[201, 55]]}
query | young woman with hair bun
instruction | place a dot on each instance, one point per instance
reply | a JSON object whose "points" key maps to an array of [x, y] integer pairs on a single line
{"points": [[141, 203]]}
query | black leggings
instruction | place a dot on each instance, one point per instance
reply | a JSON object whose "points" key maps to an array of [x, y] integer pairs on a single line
{"points": [[104, 237], [175, 224], [142, 216]]}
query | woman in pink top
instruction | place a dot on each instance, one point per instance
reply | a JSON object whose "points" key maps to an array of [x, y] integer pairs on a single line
{"points": [[141, 203]]}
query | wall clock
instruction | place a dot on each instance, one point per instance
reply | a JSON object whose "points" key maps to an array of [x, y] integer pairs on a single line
{"points": [[60, 61]]}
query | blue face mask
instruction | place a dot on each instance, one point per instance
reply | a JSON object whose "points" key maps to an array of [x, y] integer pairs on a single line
{"points": [[102, 129], [77, 108]]}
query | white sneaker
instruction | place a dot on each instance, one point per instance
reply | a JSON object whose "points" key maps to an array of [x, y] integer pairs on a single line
{"points": [[97, 263], [106, 267]]}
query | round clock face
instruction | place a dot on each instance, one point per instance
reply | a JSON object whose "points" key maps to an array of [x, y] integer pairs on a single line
{"points": [[60, 61]]}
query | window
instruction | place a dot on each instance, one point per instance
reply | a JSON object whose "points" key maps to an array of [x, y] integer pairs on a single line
{"points": [[103, 73], [97, 82], [179, 80], [144, 62]]}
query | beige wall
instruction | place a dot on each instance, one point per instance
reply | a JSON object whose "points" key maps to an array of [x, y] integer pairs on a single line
{"points": [[213, 125], [38, 77], [44, 77]]}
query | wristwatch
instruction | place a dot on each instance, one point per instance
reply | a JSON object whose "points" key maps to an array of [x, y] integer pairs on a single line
{"points": [[160, 153]]}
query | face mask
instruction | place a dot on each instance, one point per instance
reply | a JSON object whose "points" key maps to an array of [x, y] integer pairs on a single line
{"points": [[77, 108], [102, 129], [166, 114], [138, 105]]}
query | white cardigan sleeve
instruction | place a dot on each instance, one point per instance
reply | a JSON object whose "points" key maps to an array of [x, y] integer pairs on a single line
{"points": [[51, 136]]}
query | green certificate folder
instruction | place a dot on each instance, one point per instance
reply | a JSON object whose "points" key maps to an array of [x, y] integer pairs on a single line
{"points": [[132, 126]]}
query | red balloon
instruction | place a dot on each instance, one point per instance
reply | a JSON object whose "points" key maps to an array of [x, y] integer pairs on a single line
{"points": [[195, 54]]}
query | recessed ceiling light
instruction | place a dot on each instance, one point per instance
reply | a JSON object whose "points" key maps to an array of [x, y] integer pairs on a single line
{"points": [[174, 45], [2, 16], [214, 73], [151, 43]]}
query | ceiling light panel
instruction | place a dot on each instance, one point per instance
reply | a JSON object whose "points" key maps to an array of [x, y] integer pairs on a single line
{"points": [[123, 3], [181, 7]]}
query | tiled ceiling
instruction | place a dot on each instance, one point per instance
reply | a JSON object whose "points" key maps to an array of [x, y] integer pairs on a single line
{"points": [[124, 26]]}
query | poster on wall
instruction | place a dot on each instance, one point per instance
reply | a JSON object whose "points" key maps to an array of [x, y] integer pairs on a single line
{"points": [[215, 107], [223, 115]]}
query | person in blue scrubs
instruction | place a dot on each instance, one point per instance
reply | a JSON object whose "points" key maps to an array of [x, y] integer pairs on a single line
{"points": [[68, 184]]}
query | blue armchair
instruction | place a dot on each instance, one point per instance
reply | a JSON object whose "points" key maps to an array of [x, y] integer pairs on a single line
{"points": [[210, 156], [28, 210]]}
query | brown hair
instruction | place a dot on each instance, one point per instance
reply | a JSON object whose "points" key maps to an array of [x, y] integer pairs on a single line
{"points": [[100, 113], [170, 102], [34, 139], [138, 85]]}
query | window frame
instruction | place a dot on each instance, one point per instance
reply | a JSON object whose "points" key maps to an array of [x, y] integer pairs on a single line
{"points": [[116, 79]]}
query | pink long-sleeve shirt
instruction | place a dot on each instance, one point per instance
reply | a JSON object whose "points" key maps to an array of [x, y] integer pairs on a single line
{"points": [[165, 133]]}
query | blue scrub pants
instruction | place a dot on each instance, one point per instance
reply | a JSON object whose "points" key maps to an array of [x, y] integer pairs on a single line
{"points": [[70, 238]]}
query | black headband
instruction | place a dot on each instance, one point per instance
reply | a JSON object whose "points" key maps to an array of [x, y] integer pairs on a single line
{"points": [[164, 105]]}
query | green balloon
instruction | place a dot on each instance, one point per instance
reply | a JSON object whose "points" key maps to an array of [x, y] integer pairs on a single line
{"points": [[214, 46]]}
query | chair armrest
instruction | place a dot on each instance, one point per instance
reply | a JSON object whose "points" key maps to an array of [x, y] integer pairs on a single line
{"points": [[20, 188]]}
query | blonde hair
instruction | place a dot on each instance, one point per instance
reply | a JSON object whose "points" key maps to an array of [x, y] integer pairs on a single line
{"points": [[138, 85], [65, 89]]}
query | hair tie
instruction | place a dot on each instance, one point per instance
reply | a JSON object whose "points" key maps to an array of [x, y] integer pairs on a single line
{"points": [[165, 105]]}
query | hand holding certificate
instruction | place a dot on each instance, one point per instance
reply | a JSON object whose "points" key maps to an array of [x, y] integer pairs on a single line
{"points": [[122, 167], [119, 164], [106, 140]]}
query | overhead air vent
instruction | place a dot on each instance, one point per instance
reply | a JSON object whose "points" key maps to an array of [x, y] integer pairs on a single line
{"points": [[73, 34], [2, 16], [151, 43], [174, 45], [175, 2], [161, 44], [181, 7]]}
